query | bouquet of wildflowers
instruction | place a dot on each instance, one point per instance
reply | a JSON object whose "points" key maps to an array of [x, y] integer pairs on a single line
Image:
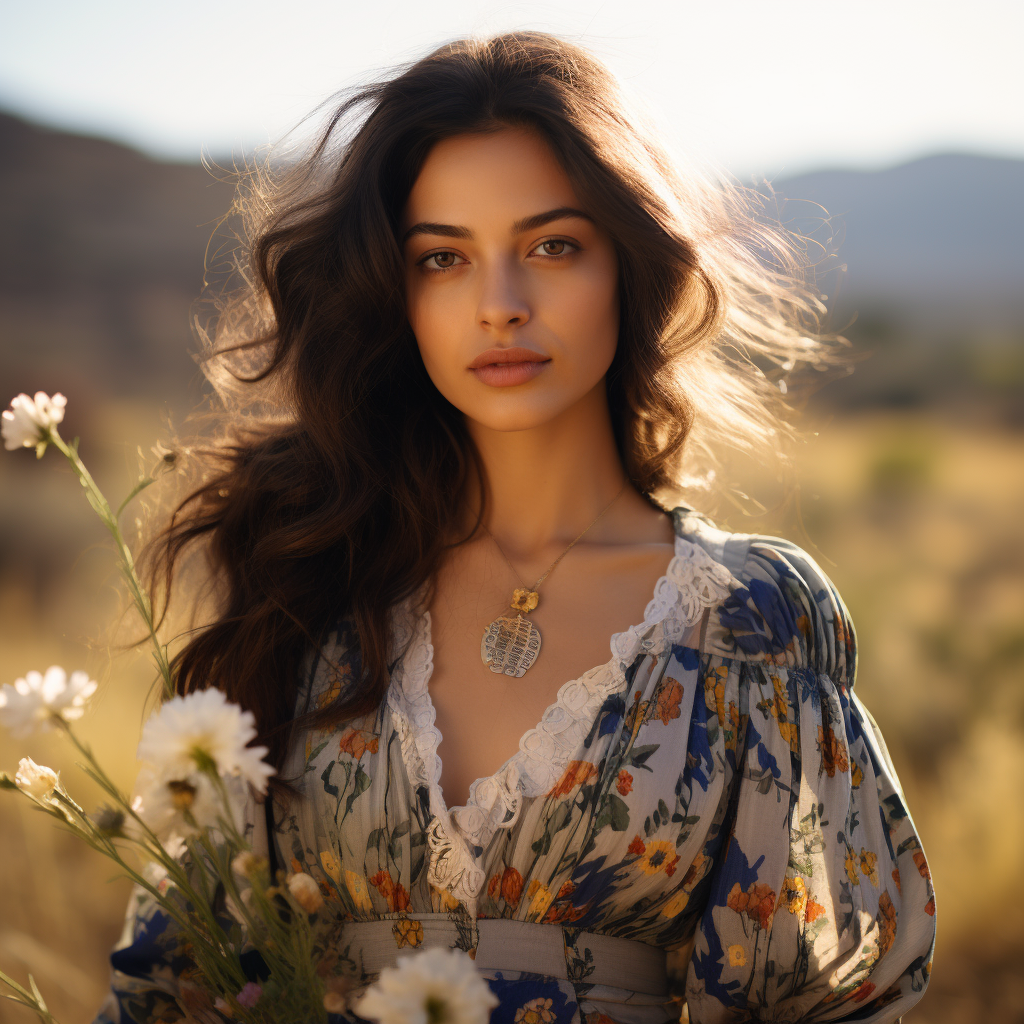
{"points": [[185, 819]]}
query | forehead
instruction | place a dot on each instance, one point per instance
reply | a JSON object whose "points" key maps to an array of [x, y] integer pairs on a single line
{"points": [[486, 179]]}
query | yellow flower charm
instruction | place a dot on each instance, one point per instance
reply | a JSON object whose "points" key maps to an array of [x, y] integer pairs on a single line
{"points": [[525, 600]]}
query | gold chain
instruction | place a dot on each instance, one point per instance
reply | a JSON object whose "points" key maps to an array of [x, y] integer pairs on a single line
{"points": [[564, 553]]}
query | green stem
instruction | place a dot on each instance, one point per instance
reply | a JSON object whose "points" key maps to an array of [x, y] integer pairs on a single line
{"points": [[102, 508]]}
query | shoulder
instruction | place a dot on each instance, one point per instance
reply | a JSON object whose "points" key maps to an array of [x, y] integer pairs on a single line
{"points": [[781, 608]]}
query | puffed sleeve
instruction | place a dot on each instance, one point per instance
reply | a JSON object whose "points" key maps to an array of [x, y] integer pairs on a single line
{"points": [[821, 906], [151, 972]]}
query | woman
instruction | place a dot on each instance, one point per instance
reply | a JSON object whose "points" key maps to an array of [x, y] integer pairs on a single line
{"points": [[496, 325]]}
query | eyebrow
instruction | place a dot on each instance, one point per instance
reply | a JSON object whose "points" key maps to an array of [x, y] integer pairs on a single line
{"points": [[525, 224]]}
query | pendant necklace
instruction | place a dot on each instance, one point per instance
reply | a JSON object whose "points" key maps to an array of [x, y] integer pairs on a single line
{"points": [[510, 645]]}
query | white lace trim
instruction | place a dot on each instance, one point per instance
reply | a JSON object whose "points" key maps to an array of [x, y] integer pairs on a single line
{"points": [[693, 581]]}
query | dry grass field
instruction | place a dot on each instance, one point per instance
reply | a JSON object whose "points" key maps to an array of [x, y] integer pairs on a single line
{"points": [[916, 519]]}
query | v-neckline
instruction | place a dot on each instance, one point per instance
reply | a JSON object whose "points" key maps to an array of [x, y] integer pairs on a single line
{"points": [[505, 783], [458, 836]]}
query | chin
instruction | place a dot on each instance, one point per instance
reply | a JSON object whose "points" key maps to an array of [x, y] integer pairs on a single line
{"points": [[513, 414]]}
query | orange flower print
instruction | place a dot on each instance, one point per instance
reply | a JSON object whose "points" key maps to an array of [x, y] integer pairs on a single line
{"points": [[886, 921], [597, 1017], [574, 775], [814, 911], [624, 783], [511, 887], [833, 752], [494, 887], [922, 864], [851, 868], [757, 902], [694, 872], [636, 847], [929, 907], [659, 855], [896, 879], [714, 691], [562, 909], [357, 742], [637, 714], [794, 894], [869, 865], [856, 776], [395, 895], [859, 994], [536, 1011], [407, 932], [670, 694]]}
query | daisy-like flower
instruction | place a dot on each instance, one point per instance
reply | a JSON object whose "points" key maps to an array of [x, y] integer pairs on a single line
{"points": [[437, 986], [204, 730], [177, 805], [28, 421], [31, 702]]}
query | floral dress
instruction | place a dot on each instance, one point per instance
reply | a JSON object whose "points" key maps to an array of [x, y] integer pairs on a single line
{"points": [[712, 814]]}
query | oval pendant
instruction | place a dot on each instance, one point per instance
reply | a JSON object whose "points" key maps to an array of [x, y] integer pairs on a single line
{"points": [[510, 646]]}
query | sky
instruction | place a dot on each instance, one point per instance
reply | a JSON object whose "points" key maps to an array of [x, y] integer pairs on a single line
{"points": [[767, 88]]}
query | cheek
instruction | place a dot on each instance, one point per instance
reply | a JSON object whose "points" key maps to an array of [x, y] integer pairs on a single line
{"points": [[430, 316], [588, 314]]}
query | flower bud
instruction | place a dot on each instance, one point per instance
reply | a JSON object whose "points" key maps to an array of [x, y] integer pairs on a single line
{"points": [[306, 891], [335, 1003], [35, 779], [109, 820]]}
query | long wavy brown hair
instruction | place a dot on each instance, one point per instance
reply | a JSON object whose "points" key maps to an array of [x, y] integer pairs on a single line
{"points": [[326, 493]]}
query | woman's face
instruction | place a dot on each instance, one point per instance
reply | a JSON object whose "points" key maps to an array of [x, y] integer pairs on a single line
{"points": [[511, 287]]}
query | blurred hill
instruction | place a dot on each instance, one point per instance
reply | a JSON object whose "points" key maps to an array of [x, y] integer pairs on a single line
{"points": [[101, 254], [938, 238], [102, 250]]}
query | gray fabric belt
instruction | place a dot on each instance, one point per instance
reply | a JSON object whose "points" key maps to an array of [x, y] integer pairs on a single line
{"points": [[503, 945]]}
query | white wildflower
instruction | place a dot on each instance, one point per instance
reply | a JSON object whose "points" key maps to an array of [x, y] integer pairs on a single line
{"points": [[191, 731], [28, 421], [248, 864], [36, 779], [165, 802], [31, 701], [306, 892], [438, 986]]}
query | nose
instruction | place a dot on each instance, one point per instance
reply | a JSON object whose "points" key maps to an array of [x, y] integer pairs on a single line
{"points": [[503, 302]]}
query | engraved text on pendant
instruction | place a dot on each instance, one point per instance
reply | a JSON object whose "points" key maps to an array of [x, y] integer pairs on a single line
{"points": [[510, 646]]}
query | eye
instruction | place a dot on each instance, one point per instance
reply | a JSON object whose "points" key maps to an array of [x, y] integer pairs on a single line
{"points": [[554, 247], [443, 260]]}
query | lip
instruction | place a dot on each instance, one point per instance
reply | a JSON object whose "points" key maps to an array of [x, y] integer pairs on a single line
{"points": [[507, 367], [507, 355]]}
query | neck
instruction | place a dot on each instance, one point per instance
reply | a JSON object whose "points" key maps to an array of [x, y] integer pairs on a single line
{"points": [[547, 483]]}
